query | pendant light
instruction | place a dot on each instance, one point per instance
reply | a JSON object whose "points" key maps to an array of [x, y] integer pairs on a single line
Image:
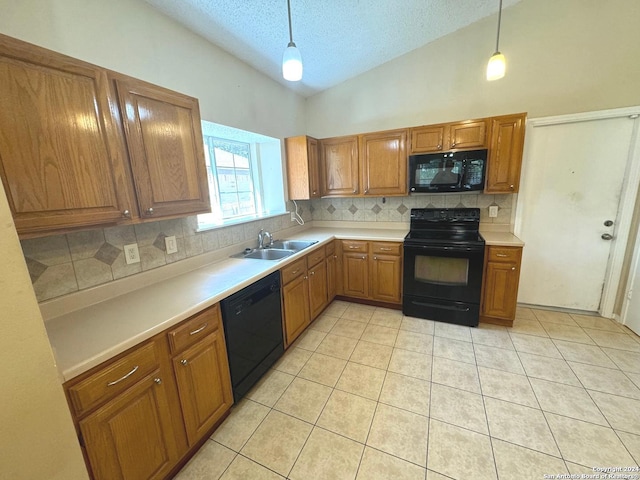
{"points": [[497, 63], [291, 60]]}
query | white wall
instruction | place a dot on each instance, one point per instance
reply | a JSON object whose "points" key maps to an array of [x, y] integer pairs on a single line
{"points": [[37, 440], [562, 57]]}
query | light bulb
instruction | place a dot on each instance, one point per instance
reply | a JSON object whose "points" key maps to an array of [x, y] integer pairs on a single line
{"points": [[292, 63], [496, 66]]}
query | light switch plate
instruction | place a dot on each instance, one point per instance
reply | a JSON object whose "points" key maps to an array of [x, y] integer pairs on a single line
{"points": [[171, 244], [131, 254], [493, 211]]}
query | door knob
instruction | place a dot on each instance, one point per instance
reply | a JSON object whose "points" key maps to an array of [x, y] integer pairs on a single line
{"points": [[608, 223], [606, 236]]}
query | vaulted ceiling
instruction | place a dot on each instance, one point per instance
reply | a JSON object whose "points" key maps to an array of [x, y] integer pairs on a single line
{"points": [[338, 39]]}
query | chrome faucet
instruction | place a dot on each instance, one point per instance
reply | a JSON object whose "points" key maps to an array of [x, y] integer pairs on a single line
{"points": [[262, 235]]}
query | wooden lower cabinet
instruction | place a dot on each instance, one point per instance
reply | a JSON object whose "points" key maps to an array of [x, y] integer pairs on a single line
{"points": [[295, 303], [386, 275], [204, 386], [139, 416], [355, 275], [500, 289], [372, 271], [332, 272], [318, 298], [131, 437]]}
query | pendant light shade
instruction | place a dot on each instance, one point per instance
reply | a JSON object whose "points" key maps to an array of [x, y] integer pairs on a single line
{"points": [[497, 63], [291, 60], [292, 63], [496, 66]]}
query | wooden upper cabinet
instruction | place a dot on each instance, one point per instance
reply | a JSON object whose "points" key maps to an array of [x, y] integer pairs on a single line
{"points": [[166, 149], [467, 134], [505, 154], [61, 161], [339, 166], [430, 138], [303, 174], [383, 163]]}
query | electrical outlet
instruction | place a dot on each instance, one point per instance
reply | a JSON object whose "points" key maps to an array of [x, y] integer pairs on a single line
{"points": [[493, 211], [293, 216], [171, 244], [131, 253]]}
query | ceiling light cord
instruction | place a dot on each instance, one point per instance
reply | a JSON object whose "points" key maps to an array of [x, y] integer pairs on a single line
{"points": [[497, 35], [497, 63], [291, 59], [291, 44]]}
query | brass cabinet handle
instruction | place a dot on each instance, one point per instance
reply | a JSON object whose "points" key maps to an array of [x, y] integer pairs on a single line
{"points": [[501, 255], [158, 381], [513, 268], [115, 382], [184, 362], [355, 190], [149, 211], [312, 273], [439, 147], [126, 214], [199, 329], [511, 187], [385, 249], [375, 258]]}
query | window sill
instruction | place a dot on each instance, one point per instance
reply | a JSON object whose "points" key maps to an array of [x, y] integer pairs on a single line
{"points": [[238, 221]]}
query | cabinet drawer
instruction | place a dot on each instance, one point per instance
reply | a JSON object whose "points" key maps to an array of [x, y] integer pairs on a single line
{"points": [[503, 254], [114, 378], [354, 246], [293, 271], [386, 248], [194, 329], [316, 257]]}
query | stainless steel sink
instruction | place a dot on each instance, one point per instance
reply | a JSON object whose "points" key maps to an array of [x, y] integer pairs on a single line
{"points": [[266, 254], [295, 245]]}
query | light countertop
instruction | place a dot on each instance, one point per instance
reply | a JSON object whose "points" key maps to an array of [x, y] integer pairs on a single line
{"points": [[84, 338]]}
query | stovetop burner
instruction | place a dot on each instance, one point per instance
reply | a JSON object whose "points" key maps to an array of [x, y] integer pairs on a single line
{"points": [[452, 226]]}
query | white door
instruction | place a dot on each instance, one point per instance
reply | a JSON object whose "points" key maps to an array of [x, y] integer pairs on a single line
{"points": [[572, 184], [631, 313]]}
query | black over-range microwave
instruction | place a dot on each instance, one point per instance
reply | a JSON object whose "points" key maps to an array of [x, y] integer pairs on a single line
{"points": [[447, 171]]}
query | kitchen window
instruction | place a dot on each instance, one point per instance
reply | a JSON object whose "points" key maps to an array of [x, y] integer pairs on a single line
{"points": [[239, 165]]}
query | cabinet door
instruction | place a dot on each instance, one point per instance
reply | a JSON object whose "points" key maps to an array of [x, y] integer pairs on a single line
{"points": [[386, 276], [61, 160], [331, 276], [317, 289], [428, 139], [295, 299], [505, 154], [355, 268], [501, 290], [469, 134], [204, 385], [166, 149], [383, 162], [339, 166], [303, 175], [131, 437]]}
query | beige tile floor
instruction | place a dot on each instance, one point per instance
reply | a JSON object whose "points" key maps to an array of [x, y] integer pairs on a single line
{"points": [[368, 394]]}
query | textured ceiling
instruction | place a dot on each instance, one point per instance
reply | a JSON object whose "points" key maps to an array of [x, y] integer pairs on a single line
{"points": [[338, 39]]}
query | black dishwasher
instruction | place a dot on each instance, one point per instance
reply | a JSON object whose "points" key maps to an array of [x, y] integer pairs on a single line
{"points": [[253, 330]]}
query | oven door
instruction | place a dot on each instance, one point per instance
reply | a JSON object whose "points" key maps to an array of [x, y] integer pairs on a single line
{"points": [[443, 282]]}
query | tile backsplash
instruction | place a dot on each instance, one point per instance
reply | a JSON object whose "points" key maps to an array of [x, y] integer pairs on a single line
{"points": [[398, 209], [63, 264]]}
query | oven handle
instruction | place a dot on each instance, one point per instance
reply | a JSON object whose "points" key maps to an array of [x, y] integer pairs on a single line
{"points": [[443, 248], [442, 307]]}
